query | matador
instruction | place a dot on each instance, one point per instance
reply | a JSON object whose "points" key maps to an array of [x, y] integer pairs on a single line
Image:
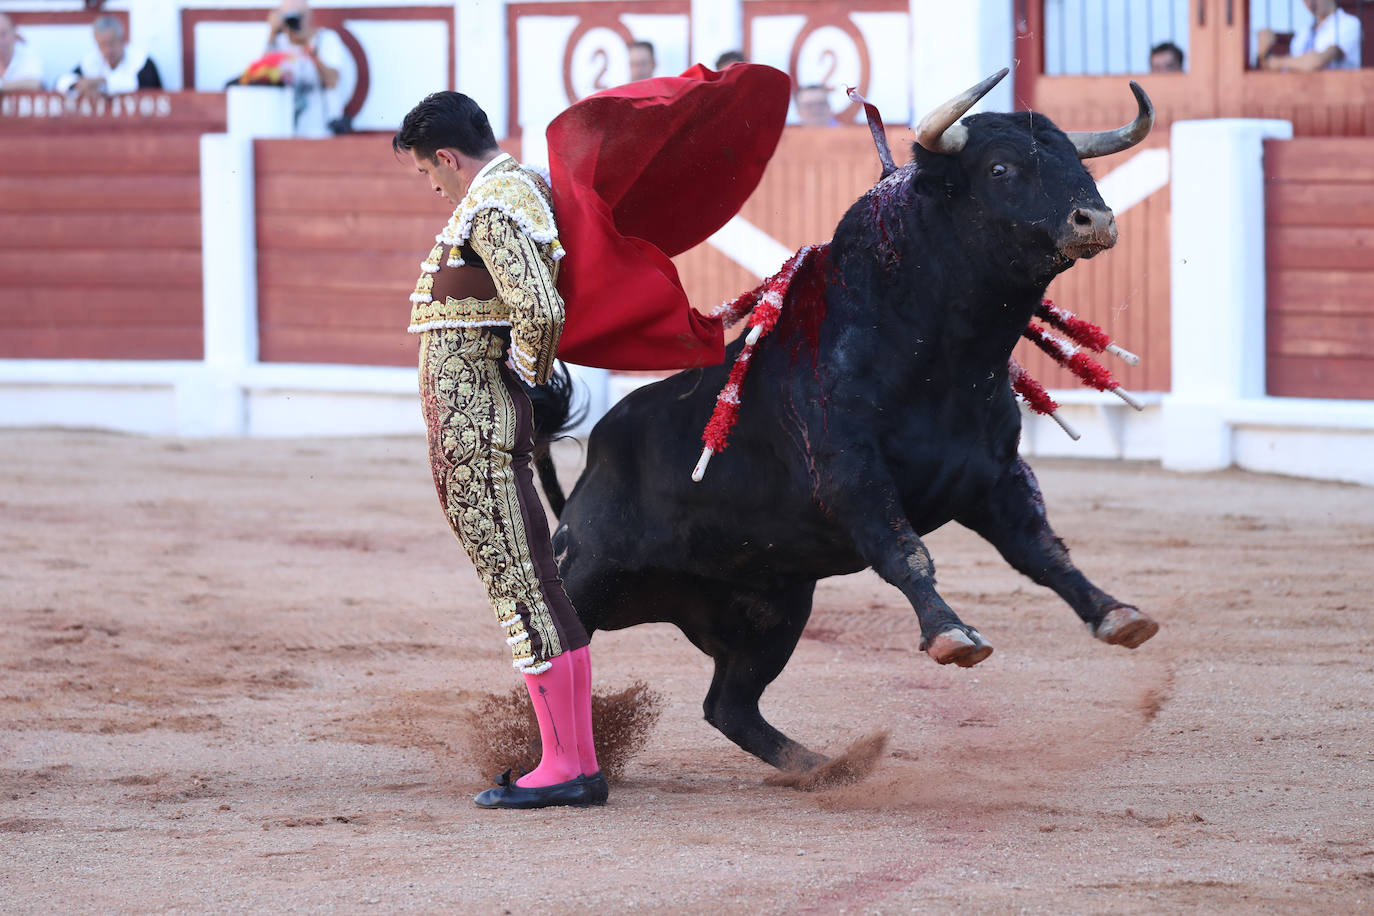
{"points": [[489, 310], [486, 308]]}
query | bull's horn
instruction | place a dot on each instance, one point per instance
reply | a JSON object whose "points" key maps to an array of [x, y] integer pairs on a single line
{"points": [[940, 131], [1092, 143]]}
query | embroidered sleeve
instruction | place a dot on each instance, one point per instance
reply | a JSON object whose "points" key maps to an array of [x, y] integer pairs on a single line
{"points": [[524, 283]]}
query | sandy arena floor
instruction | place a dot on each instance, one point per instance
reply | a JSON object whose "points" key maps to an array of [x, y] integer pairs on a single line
{"points": [[233, 677]]}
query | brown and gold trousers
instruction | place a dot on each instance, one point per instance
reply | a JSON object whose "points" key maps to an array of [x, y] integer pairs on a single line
{"points": [[481, 440]]}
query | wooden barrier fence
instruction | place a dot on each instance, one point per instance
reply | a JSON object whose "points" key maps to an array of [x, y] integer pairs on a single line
{"points": [[101, 247], [100, 253], [1319, 236], [342, 226]]}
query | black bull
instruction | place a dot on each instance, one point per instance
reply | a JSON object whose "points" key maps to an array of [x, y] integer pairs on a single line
{"points": [[878, 410]]}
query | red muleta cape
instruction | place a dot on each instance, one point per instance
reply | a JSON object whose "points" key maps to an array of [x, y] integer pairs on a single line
{"points": [[643, 172]]}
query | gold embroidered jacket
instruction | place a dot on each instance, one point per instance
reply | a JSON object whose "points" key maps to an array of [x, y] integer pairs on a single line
{"points": [[506, 221]]}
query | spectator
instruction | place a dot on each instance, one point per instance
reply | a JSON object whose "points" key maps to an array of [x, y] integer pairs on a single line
{"points": [[111, 69], [311, 66], [813, 104], [1166, 58], [642, 62], [20, 68], [1332, 42], [728, 58]]}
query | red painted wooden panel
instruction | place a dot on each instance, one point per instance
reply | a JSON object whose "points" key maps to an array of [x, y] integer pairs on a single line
{"points": [[1309, 204], [1329, 104], [388, 276], [100, 154], [366, 347], [364, 193], [340, 240], [314, 231], [1343, 160], [333, 308], [1321, 335], [1334, 247], [113, 230], [77, 193], [100, 251], [1323, 291], [347, 155], [78, 269], [1319, 238], [83, 341], [130, 306], [1321, 377]]}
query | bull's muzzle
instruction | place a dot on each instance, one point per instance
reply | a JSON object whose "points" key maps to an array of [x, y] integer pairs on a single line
{"points": [[1089, 230]]}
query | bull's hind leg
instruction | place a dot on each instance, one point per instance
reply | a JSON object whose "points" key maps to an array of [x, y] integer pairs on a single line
{"points": [[1013, 520], [751, 643]]}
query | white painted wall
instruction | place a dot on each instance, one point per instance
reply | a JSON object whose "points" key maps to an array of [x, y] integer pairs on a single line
{"points": [[480, 58], [958, 45], [717, 27]]}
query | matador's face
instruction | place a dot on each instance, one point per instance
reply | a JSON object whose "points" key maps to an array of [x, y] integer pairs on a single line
{"points": [[444, 174]]}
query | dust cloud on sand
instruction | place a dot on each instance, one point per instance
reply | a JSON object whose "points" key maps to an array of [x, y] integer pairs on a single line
{"points": [[242, 676]]}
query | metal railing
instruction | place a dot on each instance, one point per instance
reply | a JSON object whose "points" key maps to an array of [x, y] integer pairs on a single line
{"points": [[1101, 37]]}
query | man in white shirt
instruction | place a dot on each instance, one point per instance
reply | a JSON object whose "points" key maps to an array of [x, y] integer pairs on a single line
{"points": [[20, 68], [1332, 42], [322, 73], [111, 69]]}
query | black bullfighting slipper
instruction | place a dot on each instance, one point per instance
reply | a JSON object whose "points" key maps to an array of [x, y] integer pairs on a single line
{"points": [[596, 783], [576, 793]]}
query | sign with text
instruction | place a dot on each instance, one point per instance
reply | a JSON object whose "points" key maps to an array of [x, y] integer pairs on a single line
{"points": [[53, 111]]}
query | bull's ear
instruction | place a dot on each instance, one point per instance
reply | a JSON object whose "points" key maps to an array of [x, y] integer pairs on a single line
{"points": [[926, 160], [932, 171], [931, 184]]}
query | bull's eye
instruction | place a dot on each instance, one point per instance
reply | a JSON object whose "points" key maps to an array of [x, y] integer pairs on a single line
{"points": [[997, 170]]}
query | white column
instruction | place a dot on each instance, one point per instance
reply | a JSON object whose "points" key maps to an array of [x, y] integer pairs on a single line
{"points": [[717, 27], [958, 45], [211, 403], [258, 111], [591, 388], [481, 54], [155, 26], [1217, 284]]}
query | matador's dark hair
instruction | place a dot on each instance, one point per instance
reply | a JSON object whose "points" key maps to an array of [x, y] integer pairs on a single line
{"points": [[445, 120]]}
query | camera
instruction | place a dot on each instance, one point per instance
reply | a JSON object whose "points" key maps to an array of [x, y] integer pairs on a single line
{"points": [[292, 22]]}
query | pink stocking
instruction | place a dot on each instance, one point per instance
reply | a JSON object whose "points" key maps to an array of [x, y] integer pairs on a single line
{"points": [[582, 709], [552, 694]]}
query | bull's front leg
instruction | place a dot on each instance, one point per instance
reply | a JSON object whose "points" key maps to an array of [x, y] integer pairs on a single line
{"points": [[872, 515], [1013, 520]]}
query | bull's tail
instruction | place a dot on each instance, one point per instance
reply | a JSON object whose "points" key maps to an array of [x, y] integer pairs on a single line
{"points": [[553, 416]]}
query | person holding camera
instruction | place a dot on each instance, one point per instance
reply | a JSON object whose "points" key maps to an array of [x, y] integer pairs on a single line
{"points": [[314, 66]]}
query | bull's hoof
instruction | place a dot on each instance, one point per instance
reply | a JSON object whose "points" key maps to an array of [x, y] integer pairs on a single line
{"points": [[1125, 626], [959, 648]]}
